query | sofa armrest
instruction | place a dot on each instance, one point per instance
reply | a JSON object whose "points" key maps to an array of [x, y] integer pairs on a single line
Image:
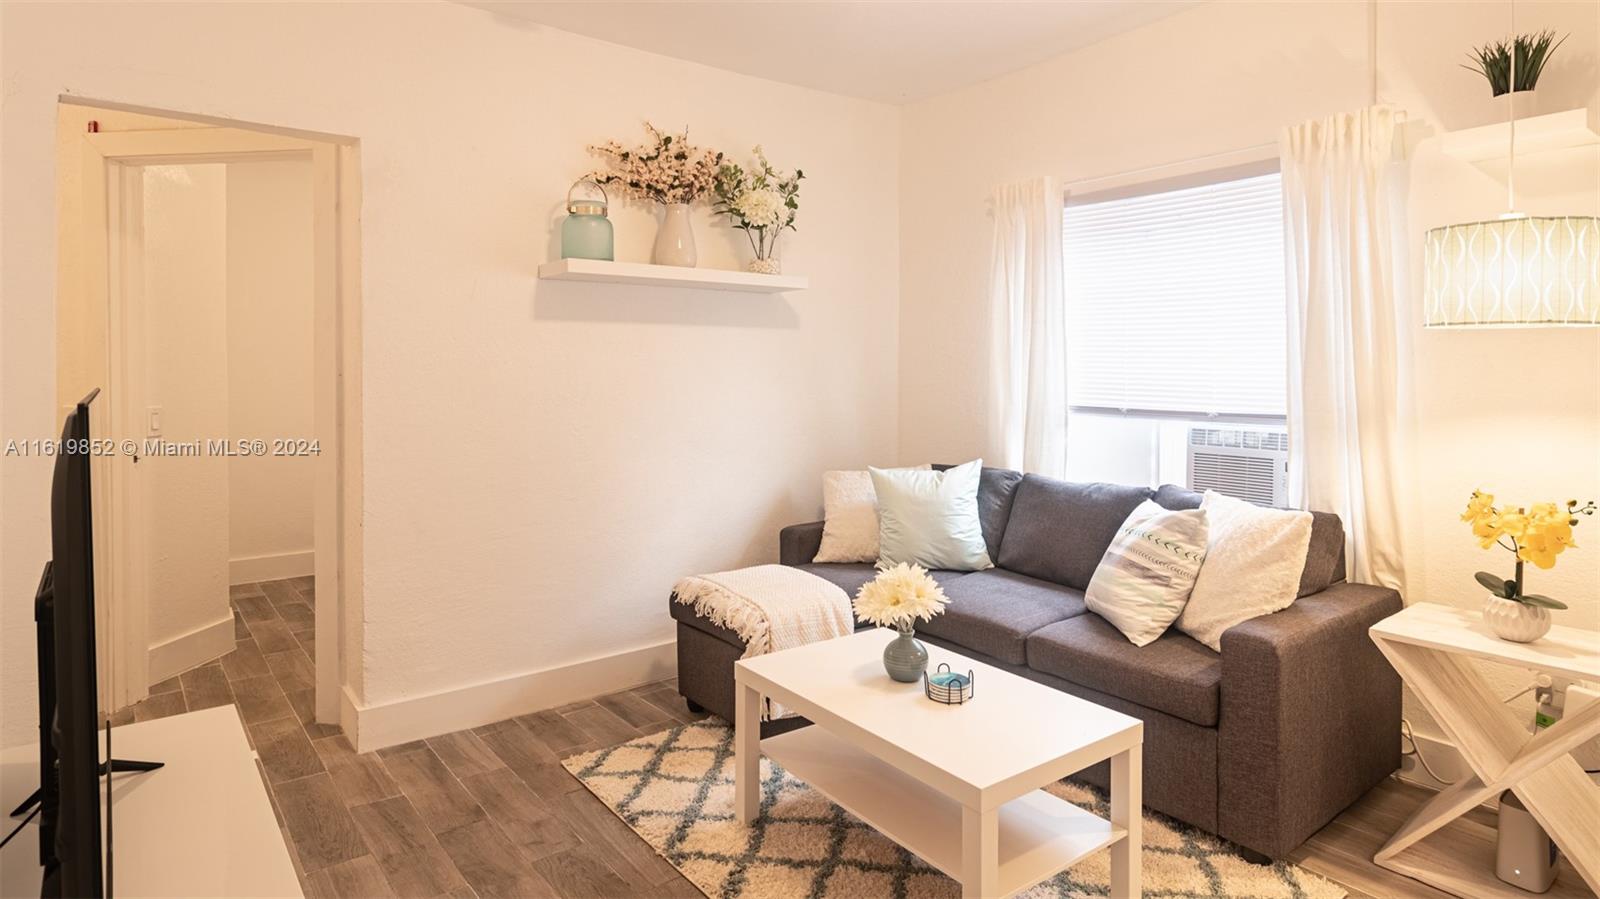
{"points": [[798, 543], [1310, 716]]}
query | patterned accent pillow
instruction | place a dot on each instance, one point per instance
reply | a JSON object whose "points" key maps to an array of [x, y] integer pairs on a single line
{"points": [[1144, 578]]}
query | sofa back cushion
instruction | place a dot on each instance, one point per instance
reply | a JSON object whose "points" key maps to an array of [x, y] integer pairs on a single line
{"points": [[996, 489], [1059, 530], [1324, 558]]}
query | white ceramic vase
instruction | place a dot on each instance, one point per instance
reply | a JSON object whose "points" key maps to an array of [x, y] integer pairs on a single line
{"points": [[675, 238], [1516, 621]]}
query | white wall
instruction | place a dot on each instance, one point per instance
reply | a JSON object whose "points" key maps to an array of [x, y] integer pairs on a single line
{"points": [[185, 332], [1518, 411], [269, 366], [541, 461]]}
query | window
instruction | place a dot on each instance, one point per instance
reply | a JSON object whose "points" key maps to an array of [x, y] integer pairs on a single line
{"points": [[1176, 303]]}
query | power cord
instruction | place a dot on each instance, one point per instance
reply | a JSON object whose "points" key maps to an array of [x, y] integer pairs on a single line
{"points": [[1415, 750]]}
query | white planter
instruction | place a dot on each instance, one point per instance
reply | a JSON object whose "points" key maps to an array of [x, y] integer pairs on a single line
{"points": [[1525, 104], [1516, 621], [675, 238]]}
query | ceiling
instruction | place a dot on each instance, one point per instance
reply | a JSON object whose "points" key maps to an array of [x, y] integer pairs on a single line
{"points": [[895, 51]]}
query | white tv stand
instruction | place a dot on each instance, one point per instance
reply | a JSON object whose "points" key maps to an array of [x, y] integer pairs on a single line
{"points": [[200, 826]]}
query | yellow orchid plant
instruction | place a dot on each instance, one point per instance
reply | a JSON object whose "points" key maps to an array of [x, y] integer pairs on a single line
{"points": [[1536, 534]]}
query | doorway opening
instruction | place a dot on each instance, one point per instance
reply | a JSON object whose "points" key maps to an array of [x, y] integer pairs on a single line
{"points": [[209, 285]]}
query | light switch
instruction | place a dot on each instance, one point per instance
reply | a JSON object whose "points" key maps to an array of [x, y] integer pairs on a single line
{"points": [[155, 421]]}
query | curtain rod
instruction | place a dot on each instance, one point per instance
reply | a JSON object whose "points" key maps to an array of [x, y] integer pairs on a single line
{"points": [[1400, 118], [1258, 148]]}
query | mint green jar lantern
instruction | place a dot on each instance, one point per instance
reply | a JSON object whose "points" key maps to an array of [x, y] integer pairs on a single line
{"points": [[586, 233]]}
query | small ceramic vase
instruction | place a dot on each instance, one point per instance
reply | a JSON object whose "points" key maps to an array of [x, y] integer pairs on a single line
{"points": [[905, 658], [1515, 621], [675, 238]]}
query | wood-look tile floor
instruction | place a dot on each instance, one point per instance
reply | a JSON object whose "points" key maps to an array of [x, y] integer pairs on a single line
{"points": [[490, 812]]}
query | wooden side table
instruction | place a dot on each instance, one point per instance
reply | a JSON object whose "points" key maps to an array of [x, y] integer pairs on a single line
{"points": [[1433, 648]]}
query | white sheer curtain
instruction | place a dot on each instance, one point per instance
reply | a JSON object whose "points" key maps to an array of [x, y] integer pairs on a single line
{"points": [[1349, 384], [1028, 334]]}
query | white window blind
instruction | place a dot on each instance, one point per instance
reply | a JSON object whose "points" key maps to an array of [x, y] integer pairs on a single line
{"points": [[1176, 301]]}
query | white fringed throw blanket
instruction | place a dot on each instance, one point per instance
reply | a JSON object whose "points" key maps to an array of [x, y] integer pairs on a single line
{"points": [[770, 607]]}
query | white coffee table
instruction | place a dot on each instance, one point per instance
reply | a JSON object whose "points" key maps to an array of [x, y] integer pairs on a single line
{"points": [[959, 786]]}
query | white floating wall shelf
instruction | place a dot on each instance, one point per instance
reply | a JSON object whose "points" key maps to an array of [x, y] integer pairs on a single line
{"points": [[638, 273], [1535, 134]]}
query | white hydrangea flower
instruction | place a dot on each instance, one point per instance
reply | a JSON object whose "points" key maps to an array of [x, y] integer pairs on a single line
{"points": [[760, 208]]}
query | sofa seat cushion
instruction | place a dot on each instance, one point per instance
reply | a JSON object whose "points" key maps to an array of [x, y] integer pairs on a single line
{"points": [[849, 576], [994, 611], [1175, 674]]}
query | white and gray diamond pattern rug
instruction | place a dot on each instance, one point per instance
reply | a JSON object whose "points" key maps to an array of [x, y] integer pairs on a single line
{"points": [[675, 789]]}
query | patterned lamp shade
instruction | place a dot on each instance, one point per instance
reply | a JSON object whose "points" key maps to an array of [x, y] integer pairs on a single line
{"points": [[1514, 272]]}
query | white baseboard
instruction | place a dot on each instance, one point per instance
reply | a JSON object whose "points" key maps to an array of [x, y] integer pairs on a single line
{"points": [[271, 568], [197, 647], [1443, 758], [349, 718], [377, 726]]}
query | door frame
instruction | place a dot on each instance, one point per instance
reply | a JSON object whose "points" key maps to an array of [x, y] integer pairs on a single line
{"points": [[107, 158]]}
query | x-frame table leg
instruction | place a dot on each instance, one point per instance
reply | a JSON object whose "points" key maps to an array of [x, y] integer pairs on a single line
{"points": [[1502, 755]]}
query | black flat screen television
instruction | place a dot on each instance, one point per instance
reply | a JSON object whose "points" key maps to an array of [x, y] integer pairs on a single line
{"points": [[70, 785], [69, 706]]}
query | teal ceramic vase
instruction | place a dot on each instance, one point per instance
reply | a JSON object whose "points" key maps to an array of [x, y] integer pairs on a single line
{"points": [[905, 658]]}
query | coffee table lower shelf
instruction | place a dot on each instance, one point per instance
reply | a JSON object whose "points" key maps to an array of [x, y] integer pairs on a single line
{"points": [[1040, 834]]}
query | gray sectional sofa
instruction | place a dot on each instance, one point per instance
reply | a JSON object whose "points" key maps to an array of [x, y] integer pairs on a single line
{"points": [[1262, 744]]}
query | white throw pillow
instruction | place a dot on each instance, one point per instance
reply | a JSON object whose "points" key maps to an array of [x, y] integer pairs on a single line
{"points": [[850, 517], [930, 518], [1144, 579], [1253, 564]]}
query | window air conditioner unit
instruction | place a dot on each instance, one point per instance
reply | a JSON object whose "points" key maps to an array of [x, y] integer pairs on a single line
{"points": [[1248, 464]]}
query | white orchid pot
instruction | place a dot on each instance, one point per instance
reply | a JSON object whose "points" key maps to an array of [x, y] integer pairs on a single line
{"points": [[1518, 622], [675, 238]]}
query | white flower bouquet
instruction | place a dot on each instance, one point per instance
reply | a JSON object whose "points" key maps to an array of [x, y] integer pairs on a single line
{"points": [[761, 202], [667, 170], [899, 597]]}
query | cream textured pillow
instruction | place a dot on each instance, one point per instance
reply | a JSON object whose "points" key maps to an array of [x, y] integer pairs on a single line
{"points": [[1144, 578], [850, 517], [1253, 564]]}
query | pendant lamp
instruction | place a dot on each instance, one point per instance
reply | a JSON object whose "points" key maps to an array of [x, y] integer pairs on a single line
{"points": [[1516, 271]]}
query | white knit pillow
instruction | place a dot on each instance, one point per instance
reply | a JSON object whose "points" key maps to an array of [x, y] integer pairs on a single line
{"points": [[1254, 559], [1144, 579], [850, 517]]}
